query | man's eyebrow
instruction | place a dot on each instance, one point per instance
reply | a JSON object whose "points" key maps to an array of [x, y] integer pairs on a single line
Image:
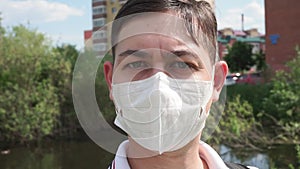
{"points": [[137, 53], [180, 53]]}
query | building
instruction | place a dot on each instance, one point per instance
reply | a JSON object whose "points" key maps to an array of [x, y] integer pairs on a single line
{"points": [[227, 37], [282, 31], [88, 43], [103, 12]]}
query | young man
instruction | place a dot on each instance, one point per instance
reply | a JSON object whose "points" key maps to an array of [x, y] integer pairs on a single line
{"points": [[164, 77]]}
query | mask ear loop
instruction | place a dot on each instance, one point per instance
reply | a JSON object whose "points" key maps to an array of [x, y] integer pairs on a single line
{"points": [[216, 59]]}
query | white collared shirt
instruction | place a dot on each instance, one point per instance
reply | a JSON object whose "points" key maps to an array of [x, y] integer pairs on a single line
{"points": [[211, 157]]}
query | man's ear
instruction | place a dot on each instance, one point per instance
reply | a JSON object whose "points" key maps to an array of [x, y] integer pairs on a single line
{"points": [[221, 70], [108, 72]]}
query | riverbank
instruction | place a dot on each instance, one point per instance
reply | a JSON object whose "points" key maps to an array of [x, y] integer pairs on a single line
{"points": [[86, 154]]}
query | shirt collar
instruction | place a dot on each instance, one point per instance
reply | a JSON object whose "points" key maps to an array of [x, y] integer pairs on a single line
{"points": [[211, 157]]}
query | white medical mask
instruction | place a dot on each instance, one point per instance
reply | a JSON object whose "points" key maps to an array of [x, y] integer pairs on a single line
{"points": [[160, 113]]}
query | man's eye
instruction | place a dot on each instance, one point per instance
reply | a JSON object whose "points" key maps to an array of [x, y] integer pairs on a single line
{"points": [[185, 65], [137, 65], [181, 65]]}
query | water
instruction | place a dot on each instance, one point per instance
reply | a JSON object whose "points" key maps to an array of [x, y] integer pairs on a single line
{"points": [[87, 155], [57, 155], [278, 156]]}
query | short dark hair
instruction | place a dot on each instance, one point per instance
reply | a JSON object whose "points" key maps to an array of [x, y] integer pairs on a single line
{"points": [[197, 15]]}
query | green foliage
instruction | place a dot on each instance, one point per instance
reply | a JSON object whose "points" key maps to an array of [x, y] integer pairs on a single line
{"points": [[68, 123], [27, 115], [253, 94], [260, 61], [239, 57], [282, 105], [102, 93], [282, 101], [272, 165], [68, 53], [237, 122], [291, 166], [239, 115], [33, 80], [298, 152]]}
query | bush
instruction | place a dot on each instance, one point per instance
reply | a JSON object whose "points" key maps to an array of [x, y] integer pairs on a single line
{"points": [[236, 124], [33, 80], [253, 94], [102, 94], [282, 100], [28, 113], [283, 103]]}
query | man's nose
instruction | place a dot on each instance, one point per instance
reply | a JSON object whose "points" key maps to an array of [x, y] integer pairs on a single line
{"points": [[144, 74]]}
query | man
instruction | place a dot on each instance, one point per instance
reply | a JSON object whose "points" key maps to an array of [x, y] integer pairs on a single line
{"points": [[164, 77]]}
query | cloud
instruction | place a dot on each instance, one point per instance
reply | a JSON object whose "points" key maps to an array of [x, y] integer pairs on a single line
{"points": [[62, 38], [36, 11], [254, 17]]}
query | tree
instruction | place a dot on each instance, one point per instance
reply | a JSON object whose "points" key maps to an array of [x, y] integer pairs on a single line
{"points": [[283, 101], [260, 60], [68, 53], [68, 123], [32, 76], [239, 57]]}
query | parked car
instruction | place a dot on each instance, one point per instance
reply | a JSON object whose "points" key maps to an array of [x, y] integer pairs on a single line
{"points": [[231, 79], [250, 78]]}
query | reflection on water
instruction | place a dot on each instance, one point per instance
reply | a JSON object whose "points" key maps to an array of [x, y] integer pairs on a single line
{"points": [[87, 155], [58, 155], [251, 159], [277, 157]]}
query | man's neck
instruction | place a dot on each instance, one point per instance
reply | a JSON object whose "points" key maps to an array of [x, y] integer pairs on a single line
{"points": [[187, 157]]}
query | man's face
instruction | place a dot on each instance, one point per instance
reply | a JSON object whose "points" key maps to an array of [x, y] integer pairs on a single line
{"points": [[154, 43], [160, 42]]}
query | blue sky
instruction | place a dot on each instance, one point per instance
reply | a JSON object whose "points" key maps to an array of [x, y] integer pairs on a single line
{"points": [[64, 21]]}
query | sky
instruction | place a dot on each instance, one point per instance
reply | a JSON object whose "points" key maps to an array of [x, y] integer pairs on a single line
{"points": [[64, 21]]}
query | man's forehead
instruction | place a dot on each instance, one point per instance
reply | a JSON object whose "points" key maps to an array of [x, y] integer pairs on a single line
{"points": [[149, 45], [158, 42], [154, 23], [150, 40]]}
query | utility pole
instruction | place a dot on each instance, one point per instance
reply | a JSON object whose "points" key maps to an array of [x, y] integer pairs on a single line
{"points": [[1, 32], [242, 22], [0, 20], [1, 35]]}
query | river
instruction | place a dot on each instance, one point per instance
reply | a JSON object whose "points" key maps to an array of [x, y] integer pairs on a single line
{"points": [[87, 155]]}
